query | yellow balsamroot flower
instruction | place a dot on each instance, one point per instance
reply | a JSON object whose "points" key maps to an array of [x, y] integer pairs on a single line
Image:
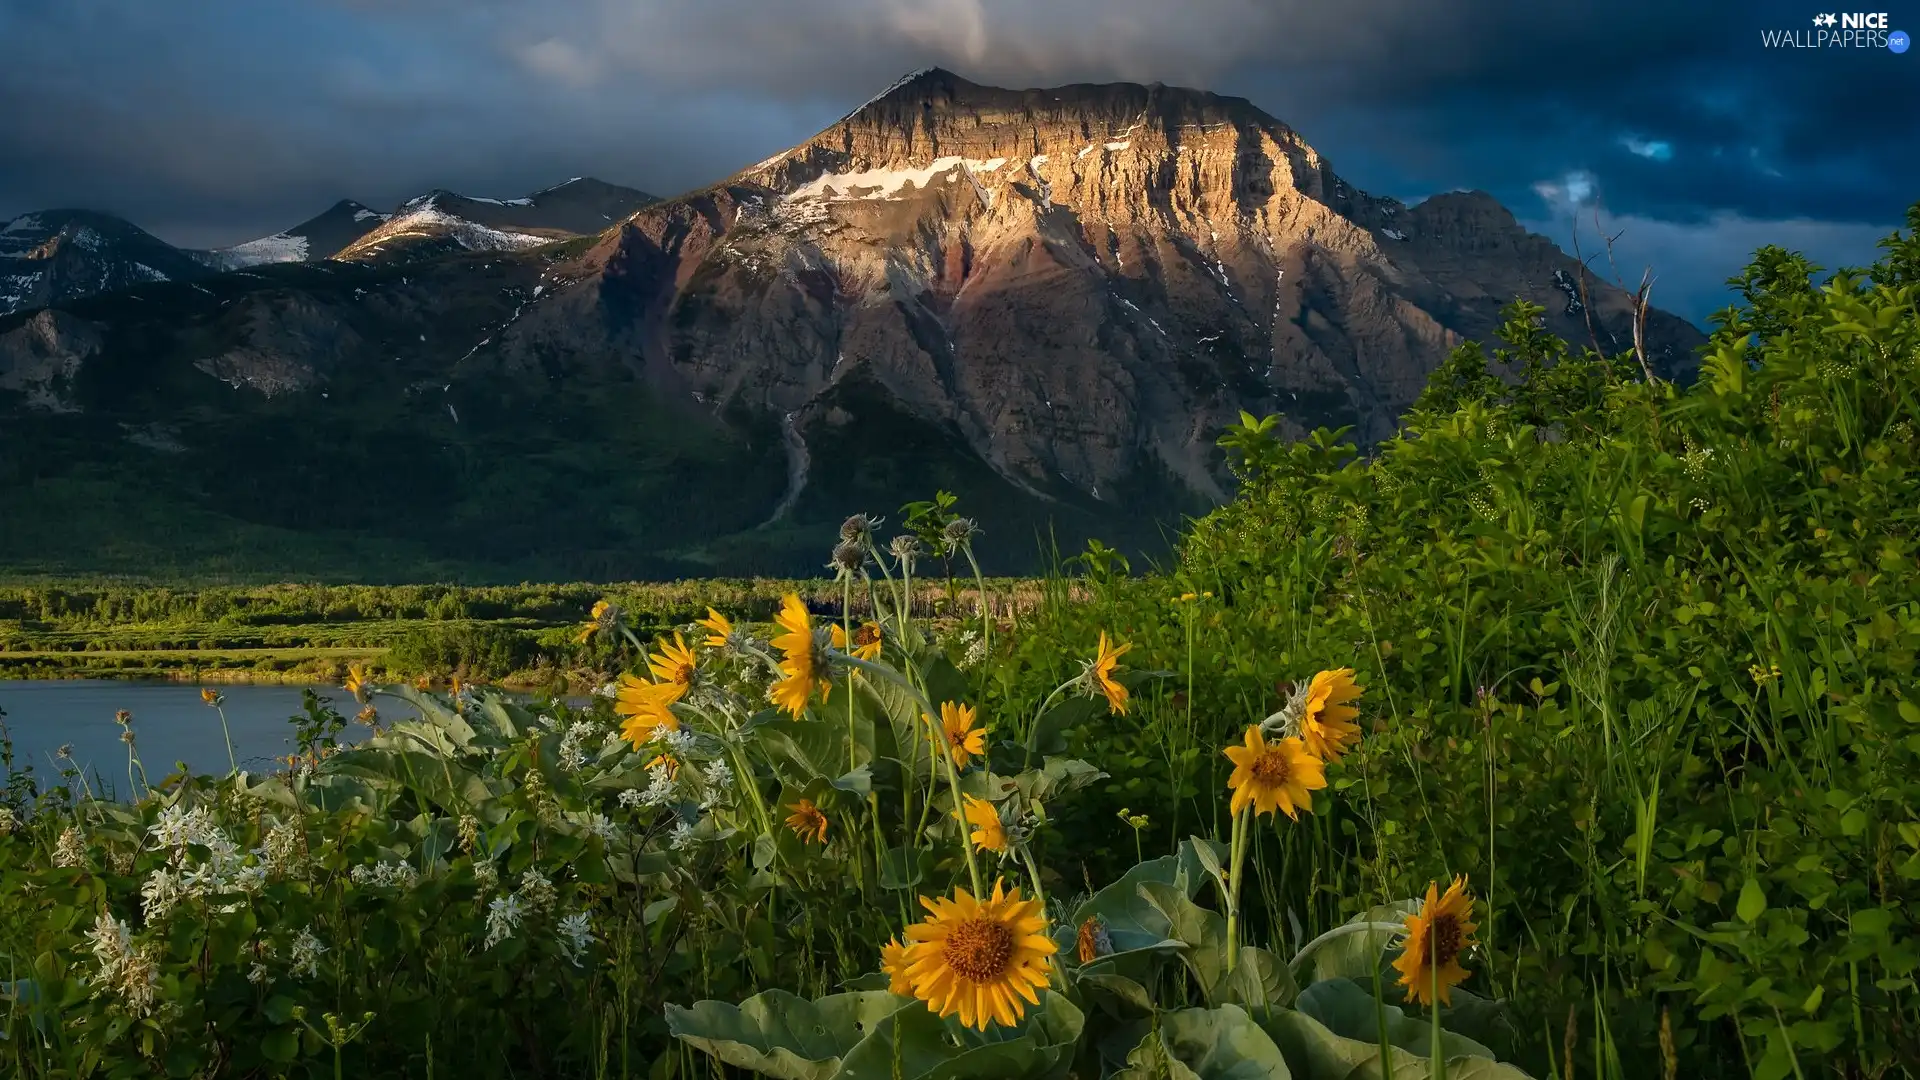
{"points": [[1101, 672], [719, 629], [1273, 775], [356, 683], [647, 707], [210, 696], [667, 763], [980, 958], [600, 618], [1437, 935], [866, 641], [674, 667], [807, 821], [1327, 727], [964, 741], [803, 665], [893, 964], [368, 715], [988, 832]]}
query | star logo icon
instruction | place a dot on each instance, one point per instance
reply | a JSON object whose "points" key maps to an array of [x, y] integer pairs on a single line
{"points": [[1825, 20]]}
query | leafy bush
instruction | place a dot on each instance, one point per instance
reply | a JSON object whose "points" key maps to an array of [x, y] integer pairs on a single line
{"points": [[482, 650]]}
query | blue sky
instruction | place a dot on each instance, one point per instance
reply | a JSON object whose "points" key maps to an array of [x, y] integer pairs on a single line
{"points": [[217, 121]]}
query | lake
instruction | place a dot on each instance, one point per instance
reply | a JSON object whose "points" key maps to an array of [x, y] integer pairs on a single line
{"points": [[170, 724]]}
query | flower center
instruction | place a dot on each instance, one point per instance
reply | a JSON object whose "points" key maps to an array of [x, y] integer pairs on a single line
{"points": [[1273, 768], [978, 949], [683, 674], [1444, 939], [866, 635]]}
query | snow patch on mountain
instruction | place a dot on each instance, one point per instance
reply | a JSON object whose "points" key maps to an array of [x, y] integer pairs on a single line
{"points": [[888, 183], [278, 248], [430, 222]]}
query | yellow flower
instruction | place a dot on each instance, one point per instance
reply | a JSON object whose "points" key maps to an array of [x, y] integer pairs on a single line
{"points": [[964, 741], [804, 665], [988, 833], [807, 821], [979, 958], [893, 962], [1101, 672], [1437, 935], [720, 629], [356, 683], [1328, 727], [210, 696], [667, 762], [673, 666], [1276, 775], [866, 641], [368, 715], [647, 707], [601, 618]]}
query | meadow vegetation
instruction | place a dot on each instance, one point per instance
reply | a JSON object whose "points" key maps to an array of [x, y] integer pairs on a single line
{"points": [[1571, 733]]}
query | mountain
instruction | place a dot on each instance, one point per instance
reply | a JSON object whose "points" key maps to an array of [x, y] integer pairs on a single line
{"points": [[317, 237], [441, 222], [55, 256], [1047, 301]]}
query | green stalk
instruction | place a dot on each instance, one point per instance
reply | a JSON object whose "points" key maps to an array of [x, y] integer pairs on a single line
{"points": [[966, 836], [980, 582], [1040, 894], [1437, 1055], [1238, 848], [224, 730]]}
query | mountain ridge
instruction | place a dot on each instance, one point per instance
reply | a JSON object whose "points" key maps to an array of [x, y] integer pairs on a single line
{"points": [[1048, 300]]}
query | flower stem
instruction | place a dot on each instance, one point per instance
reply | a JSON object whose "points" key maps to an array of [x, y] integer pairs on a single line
{"points": [[986, 616], [224, 730], [1238, 847], [966, 838], [1040, 894]]}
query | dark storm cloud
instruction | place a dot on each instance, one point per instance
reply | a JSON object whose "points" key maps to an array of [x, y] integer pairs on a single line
{"points": [[218, 120]]}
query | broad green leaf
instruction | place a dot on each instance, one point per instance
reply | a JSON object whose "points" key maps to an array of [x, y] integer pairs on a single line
{"points": [[1202, 931], [1056, 777], [1119, 996], [1049, 732], [905, 867], [1206, 1044], [782, 1035], [1258, 981], [1753, 900], [914, 1044], [1350, 1011], [1355, 955]]}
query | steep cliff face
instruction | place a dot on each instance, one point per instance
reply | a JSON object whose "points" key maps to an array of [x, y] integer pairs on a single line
{"points": [[54, 256], [1081, 283]]}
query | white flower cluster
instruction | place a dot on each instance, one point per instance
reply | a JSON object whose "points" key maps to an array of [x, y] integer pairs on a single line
{"points": [[306, 953], [607, 691], [384, 874], [69, 851], [224, 871], [503, 918], [683, 837], [601, 826], [719, 780], [7, 820], [124, 970], [573, 753], [536, 890], [576, 933]]}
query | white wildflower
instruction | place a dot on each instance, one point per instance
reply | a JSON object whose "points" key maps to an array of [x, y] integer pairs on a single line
{"points": [[976, 654], [536, 890], [281, 846], [251, 879], [7, 820], [683, 837], [306, 952], [575, 932], [486, 876], [719, 775], [68, 851], [138, 975], [110, 940], [159, 893], [503, 918], [601, 826], [632, 797], [608, 691], [257, 974]]}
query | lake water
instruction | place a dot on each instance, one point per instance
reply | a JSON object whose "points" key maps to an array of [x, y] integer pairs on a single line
{"points": [[170, 724]]}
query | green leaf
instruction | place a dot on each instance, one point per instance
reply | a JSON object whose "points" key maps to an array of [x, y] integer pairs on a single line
{"points": [[1753, 900], [1050, 731], [905, 867], [1056, 777], [1258, 981], [782, 1035], [914, 1044], [1206, 1044], [1202, 931], [1357, 955], [1348, 1010], [281, 1044]]}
